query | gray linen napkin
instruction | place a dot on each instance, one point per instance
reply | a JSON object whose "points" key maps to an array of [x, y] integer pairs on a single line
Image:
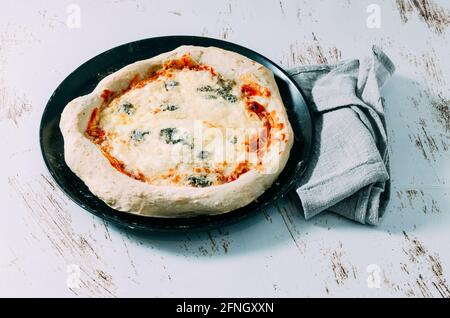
{"points": [[348, 172]]}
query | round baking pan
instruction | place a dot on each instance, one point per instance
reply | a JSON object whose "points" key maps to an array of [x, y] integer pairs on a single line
{"points": [[84, 79]]}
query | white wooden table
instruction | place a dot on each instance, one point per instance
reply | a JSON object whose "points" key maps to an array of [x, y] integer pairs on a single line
{"points": [[51, 247]]}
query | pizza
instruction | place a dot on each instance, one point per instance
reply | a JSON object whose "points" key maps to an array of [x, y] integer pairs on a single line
{"points": [[198, 130]]}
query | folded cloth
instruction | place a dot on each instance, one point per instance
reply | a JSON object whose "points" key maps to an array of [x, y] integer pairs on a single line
{"points": [[348, 171]]}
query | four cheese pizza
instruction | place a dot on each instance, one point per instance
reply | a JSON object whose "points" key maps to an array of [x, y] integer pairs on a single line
{"points": [[193, 131]]}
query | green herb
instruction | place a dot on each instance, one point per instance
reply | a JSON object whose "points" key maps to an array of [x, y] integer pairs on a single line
{"points": [[171, 85], [168, 135], [169, 107], [207, 88], [199, 181], [171, 136], [226, 84], [126, 108], [224, 90], [230, 98], [138, 135], [203, 154]]}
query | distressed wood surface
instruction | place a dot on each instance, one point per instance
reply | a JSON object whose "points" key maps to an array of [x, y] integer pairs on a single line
{"points": [[51, 247]]}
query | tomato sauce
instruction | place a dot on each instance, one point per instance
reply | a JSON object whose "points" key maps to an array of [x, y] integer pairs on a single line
{"points": [[254, 89], [265, 136], [120, 166], [92, 130], [106, 95]]}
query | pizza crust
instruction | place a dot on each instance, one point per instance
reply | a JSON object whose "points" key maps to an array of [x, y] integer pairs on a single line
{"points": [[126, 194]]}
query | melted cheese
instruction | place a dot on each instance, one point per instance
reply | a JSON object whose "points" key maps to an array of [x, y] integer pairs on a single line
{"points": [[186, 127]]}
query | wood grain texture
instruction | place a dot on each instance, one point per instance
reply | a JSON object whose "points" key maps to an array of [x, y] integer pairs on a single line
{"points": [[45, 238]]}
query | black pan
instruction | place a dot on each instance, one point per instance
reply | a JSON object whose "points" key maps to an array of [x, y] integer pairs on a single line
{"points": [[84, 79]]}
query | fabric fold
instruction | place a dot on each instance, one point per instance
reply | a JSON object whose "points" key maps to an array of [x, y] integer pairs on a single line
{"points": [[348, 172]]}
